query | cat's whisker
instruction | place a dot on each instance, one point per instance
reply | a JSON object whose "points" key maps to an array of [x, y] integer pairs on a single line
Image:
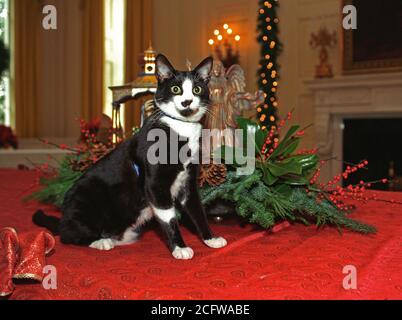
{"points": [[208, 112], [211, 115], [206, 106]]}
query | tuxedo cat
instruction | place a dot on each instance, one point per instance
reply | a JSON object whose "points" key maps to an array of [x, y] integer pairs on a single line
{"points": [[108, 205]]}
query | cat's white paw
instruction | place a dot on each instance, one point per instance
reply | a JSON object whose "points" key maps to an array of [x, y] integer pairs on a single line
{"points": [[103, 244], [216, 243], [183, 253]]}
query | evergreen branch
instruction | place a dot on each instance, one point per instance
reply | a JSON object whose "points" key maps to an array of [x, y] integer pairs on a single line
{"points": [[263, 205]]}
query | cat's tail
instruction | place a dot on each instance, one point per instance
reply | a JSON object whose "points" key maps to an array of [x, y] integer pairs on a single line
{"points": [[49, 222]]}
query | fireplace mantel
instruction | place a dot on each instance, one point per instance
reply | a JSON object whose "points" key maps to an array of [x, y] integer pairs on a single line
{"points": [[364, 96]]}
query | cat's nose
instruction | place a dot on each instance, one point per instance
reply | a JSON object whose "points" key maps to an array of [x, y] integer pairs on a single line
{"points": [[186, 103]]}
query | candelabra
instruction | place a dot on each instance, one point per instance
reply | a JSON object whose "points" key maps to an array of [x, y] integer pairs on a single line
{"points": [[225, 46]]}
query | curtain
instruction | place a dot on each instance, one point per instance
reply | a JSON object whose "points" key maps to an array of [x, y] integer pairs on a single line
{"points": [[27, 65], [92, 58], [138, 37]]}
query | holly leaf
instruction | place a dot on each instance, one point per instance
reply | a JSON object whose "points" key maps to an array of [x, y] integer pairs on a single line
{"points": [[277, 170], [306, 161], [230, 156], [284, 143], [291, 132], [269, 179], [284, 190], [252, 129], [291, 147], [281, 169], [292, 180], [285, 148]]}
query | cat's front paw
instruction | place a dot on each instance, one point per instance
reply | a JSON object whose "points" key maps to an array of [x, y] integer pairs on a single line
{"points": [[216, 243], [103, 244], [183, 253]]}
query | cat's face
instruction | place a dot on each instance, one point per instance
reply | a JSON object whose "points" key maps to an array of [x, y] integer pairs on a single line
{"points": [[180, 94]]}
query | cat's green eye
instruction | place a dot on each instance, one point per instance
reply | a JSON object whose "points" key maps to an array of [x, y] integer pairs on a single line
{"points": [[176, 90], [197, 90]]}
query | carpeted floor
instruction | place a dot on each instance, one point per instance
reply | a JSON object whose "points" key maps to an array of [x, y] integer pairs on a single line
{"points": [[295, 263]]}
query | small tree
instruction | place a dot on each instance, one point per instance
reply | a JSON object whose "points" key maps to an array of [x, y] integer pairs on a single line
{"points": [[4, 65], [4, 58]]}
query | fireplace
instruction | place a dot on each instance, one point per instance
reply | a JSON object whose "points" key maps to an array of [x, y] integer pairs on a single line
{"points": [[348, 112], [378, 140]]}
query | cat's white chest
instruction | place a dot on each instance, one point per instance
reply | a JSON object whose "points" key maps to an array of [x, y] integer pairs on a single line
{"points": [[179, 184], [189, 130]]}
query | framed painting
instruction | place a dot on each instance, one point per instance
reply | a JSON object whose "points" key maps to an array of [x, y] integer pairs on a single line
{"points": [[376, 44]]}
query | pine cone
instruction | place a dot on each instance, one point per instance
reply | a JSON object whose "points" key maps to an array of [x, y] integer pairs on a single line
{"points": [[212, 174]]}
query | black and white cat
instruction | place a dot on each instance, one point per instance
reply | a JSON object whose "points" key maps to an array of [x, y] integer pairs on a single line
{"points": [[110, 203]]}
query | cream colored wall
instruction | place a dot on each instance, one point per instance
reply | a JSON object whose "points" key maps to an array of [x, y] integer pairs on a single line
{"points": [[181, 31], [182, 28]]}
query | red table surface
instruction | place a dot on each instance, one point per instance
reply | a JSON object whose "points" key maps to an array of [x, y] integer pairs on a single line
{"points": [[295, 263]]}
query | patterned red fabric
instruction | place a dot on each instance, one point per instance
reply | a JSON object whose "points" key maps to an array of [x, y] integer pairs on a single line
{"points": [[296, 262]]}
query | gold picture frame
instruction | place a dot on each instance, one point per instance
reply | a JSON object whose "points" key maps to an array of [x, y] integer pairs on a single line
{"points": [[352, 65]]}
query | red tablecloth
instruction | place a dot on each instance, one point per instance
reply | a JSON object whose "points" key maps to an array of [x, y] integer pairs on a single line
{"points": [[296, 263]]}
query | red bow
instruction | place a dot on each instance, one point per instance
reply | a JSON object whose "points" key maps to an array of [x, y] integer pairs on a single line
{"points": [[22, 257]]}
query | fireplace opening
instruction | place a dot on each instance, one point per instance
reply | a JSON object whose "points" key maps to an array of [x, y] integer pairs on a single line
{"points": [[380, 142]]}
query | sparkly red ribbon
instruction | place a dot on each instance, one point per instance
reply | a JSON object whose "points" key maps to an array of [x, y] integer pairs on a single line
{"points": [[22, 257], [9, 249]]}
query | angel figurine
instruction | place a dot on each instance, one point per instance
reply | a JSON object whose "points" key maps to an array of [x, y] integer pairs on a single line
{"points": [[228, 100]]}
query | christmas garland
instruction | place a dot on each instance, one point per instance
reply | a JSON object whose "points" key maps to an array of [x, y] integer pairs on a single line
{"points": [[56, 182], [268, 72], [266, 206], [283, 186]]}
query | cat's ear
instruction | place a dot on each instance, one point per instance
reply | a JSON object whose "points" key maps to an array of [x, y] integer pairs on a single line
{"points": [[204, 69], [164, 70]]}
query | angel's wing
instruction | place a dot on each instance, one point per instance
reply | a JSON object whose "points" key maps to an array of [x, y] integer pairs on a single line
{"points": [[236, 78], [236, 81]]}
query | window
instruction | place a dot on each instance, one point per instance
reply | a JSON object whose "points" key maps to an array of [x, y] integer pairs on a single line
{"points": [[5, 117], [114, 49]]}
